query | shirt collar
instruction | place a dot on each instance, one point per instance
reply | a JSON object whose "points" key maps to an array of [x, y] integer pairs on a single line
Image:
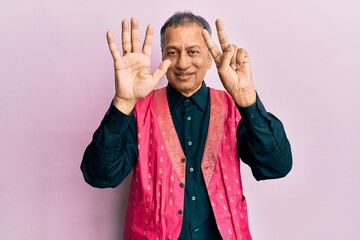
{"points": [[200, 97]]}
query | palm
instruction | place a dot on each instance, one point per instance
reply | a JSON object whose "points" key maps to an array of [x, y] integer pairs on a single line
{"points": [[133, 78], [236, 77], [233, 67]]}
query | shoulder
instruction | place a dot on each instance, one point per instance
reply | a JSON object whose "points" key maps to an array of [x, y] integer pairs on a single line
{"points": [[221, 95], [147, 103], [221, 100]]}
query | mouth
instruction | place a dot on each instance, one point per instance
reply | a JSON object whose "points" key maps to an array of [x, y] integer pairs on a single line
{"points": [[183, 76]]}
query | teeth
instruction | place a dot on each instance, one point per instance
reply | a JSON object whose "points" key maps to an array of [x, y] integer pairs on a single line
{"points": [[183, 75]]}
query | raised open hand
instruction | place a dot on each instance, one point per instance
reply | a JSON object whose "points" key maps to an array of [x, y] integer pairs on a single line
{"points": [[133, 78], [233, 66]]}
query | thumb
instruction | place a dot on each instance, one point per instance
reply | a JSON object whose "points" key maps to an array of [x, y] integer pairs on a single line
{"points": [[227, 56], [160, 71]]}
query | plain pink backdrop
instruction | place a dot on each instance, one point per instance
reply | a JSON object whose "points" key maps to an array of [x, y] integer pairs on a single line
{"points": [[56, 83]]}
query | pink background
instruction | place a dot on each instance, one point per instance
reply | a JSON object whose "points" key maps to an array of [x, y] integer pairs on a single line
{"points": [[56, 82]]}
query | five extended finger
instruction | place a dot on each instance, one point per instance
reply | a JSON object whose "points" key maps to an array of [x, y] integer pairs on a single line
{"points": [[161, 70], [112, 46], [125, 37], [148, 40], [135, 36]]}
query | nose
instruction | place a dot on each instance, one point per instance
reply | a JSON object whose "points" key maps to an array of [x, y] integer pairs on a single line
{"points": [[183, 61]]}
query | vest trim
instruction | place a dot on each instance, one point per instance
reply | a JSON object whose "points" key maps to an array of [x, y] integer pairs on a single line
{"points": [[168, 133]]}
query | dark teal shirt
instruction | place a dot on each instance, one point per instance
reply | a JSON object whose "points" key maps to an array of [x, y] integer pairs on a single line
{"points": [[262, 144]]}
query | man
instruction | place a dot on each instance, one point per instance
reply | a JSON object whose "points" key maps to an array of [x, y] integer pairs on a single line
{"points": [[183, 142]]}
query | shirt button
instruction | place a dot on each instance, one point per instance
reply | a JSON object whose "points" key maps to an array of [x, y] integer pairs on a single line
{"points": [[193, 198], [183, 160], [190, 143], [196, 230], [191, 169], [180, 212], [189, 118], [182, 185]]}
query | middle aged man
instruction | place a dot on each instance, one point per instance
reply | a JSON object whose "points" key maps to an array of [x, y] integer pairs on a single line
{"points": [[183, 142]]}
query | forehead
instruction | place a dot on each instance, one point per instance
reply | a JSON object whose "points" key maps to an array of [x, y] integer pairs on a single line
{"points": [[184, 35]]}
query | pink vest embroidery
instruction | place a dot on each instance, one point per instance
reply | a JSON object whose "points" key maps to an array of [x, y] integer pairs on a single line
{"points": [[157, 189]]}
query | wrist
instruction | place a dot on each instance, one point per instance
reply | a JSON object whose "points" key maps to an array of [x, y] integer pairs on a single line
{"points": [[123, 105], [246, 98]]}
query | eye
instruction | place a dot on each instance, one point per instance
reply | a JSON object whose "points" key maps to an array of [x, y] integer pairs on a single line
{"points": [[171, 53], [193, 52]]}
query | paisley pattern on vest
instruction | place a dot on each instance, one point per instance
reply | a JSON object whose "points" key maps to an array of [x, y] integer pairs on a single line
{"points": [[157, 189]]}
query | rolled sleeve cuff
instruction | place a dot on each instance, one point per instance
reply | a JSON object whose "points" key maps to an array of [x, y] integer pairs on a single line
{"points": [[117, 121], [254, 114]]}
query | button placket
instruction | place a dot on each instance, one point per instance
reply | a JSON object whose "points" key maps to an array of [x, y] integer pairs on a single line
{"points": [[190, 148], [189, 109]]}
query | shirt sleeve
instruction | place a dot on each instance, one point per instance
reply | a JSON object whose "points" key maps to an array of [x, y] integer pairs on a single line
{"points": [[110, 156], [262, 143]]}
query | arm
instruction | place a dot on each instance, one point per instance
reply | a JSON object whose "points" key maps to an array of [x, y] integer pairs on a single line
{"points": [[112, 152], [233, 65], [133, 78], [262, 143]]}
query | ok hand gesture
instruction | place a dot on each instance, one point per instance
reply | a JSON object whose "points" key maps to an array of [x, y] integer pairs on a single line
{"points": [[133, 78], [233, 66]]}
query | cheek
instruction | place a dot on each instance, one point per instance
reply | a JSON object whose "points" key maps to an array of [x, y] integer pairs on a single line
{"points": [[173, 63], [202, 65], [209, 62], [199, 63]]}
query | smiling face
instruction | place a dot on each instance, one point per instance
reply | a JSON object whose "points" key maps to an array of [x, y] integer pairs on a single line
{"points": [[189, 55]]}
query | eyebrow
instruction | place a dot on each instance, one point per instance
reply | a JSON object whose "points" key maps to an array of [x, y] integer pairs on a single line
{"points": [[187, 48]]}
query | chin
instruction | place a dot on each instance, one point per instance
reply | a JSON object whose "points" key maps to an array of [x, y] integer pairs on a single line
{"points": [[186, 88]]}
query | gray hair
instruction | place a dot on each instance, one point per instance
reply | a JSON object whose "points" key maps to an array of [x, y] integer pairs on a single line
{"points": [[183, 19]]}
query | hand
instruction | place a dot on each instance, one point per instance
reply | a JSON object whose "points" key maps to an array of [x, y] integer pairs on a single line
{"points": [[233, 66], [133, 78]]}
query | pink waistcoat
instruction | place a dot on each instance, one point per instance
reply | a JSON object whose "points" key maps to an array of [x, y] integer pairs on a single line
{"points": [[156, 196]]}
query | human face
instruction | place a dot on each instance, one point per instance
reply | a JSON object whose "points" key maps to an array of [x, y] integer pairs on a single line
{"points": [[189, 55]]}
